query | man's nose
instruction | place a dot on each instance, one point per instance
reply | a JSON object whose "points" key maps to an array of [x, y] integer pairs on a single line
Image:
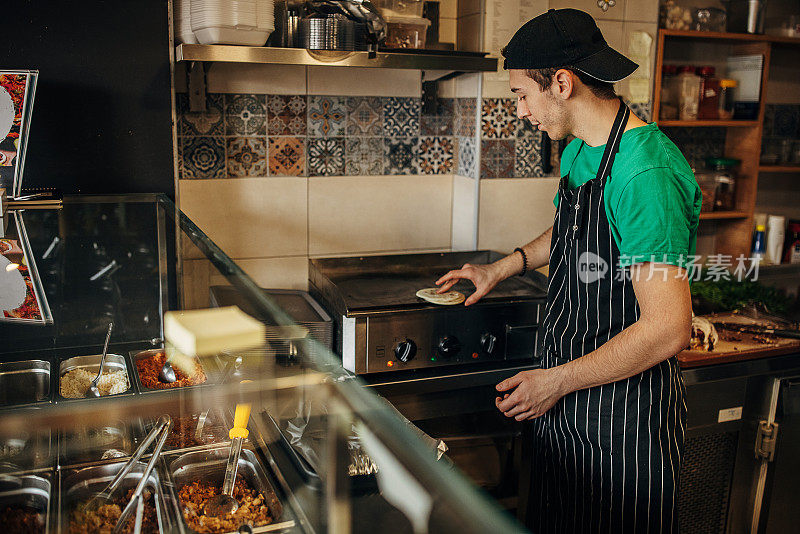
{"points": [[522, 109]]}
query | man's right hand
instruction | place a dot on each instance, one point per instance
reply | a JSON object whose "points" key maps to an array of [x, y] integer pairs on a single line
{"points": [[483, 277]]}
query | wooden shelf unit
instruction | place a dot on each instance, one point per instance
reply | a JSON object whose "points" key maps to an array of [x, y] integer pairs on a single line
{"points": [[742, 138], [709, 123], [779, 168], [716, 215]]}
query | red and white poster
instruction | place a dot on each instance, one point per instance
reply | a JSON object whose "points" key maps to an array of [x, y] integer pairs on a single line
{"points": [[17, 90], [21, 296]]}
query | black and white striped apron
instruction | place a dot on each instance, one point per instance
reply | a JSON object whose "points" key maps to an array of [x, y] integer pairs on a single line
{"points": [[607, 458]]}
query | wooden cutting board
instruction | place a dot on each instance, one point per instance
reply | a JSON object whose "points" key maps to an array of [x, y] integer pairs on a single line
{"points": [[736, 346]]}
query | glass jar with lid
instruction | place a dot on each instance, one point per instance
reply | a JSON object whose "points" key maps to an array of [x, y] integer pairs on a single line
{"points": [[724, 182], [687, 92]]}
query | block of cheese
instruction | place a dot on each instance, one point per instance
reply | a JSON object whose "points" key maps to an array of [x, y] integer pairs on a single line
{"points": [[207, 332]]}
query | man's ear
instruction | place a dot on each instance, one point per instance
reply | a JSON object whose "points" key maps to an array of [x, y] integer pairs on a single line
{"points": [[563, 83]]}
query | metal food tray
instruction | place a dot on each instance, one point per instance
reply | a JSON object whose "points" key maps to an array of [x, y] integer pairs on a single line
{"points": [[79, 485], [359, 484], [35, 450], [209, 464], [25, 382], [123, 436], [223, 440], [113, 362], [33, 490], [208, 366]]}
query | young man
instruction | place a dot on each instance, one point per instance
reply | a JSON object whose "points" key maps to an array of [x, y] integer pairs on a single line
{"points": [[608, 403]]}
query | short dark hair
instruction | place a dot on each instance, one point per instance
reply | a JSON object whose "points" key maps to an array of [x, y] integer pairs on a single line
{"points": [[600, 89]]}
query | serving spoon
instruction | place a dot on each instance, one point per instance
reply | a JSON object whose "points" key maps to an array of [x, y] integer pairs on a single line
{"points": [[93, 391], [226, 503]]}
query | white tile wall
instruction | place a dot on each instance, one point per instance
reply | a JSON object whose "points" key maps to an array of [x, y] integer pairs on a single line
{"points": [[470, 7], [590, 6], [641, 10], [514, 211], [272, 273], [448, 8], [351, 214], [465, 192], [255, 78], [250, 217], [344, 81], [470, 32]]}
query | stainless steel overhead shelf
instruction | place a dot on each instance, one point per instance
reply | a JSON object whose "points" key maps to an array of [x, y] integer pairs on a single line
{"points": [[454, 62]]}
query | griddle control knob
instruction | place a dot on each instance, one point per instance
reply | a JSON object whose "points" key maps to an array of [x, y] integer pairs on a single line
{"points": [[449, 346], [488, 344], [405, 350]]}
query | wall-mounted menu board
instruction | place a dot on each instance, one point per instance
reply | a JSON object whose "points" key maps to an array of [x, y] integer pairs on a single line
{"points": [[17, 90]]}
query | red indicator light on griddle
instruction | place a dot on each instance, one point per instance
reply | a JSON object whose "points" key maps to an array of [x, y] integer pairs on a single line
{"points": [[390, 363], [474, 354]]}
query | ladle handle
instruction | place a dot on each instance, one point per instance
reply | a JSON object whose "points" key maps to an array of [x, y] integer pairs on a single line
{"points": [[232, 466], [137, 493]]}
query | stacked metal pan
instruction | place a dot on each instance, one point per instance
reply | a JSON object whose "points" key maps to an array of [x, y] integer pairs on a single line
{"points": [[327, 32]]}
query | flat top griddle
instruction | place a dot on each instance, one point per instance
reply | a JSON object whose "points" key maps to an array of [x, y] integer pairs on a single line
{"points": [[375, 283]]}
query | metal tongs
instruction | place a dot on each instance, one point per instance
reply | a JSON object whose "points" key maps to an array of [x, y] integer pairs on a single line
{"points": [[136, 503]]}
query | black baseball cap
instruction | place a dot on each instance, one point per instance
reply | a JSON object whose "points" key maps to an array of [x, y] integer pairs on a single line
{"points": [[563, 37]]}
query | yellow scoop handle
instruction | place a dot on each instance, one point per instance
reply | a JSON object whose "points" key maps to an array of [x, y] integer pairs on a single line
{"points": [[240, 418]]}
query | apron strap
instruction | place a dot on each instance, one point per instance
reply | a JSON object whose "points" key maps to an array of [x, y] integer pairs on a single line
{"points": [[612, 145]]}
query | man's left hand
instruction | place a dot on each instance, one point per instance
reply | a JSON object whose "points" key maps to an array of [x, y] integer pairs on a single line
{"points": [[534, 392]]}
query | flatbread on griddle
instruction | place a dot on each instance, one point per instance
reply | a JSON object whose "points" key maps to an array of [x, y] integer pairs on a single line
{"points": [[449, 298]]}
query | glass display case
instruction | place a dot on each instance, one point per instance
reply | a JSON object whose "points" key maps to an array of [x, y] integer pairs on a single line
{"points": [[322, 453]]}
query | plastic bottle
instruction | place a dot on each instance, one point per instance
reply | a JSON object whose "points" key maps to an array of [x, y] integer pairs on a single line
{"points": [[759, 243], [775, 238], [791, 248], [726, 87]]}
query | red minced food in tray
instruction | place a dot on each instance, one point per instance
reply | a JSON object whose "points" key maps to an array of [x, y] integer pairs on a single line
{"points": [[149, 368]]}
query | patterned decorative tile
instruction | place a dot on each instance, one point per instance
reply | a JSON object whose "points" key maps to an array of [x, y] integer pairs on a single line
{"points": [[465, 117], [787, 118], [245, 115], [364, 116], [209, 122], [467, 157], [327, 116], [441, 122], [203, 157], [363, 156], [401, 116], [528, 157], [181, 168], [769, 119], [436, 155], [287, 156], [247, 156], [400, 155], [326, 156], [641, 110], [286, 114], [497, 159], [697, 144], [498, 118]]}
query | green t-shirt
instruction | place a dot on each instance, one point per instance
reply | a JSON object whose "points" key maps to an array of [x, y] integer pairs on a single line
{"points": [[651, 196]]}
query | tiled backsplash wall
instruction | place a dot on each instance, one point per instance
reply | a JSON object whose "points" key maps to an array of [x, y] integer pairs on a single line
{"points": [[697, 144], [258, 135], [781, 138]]}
